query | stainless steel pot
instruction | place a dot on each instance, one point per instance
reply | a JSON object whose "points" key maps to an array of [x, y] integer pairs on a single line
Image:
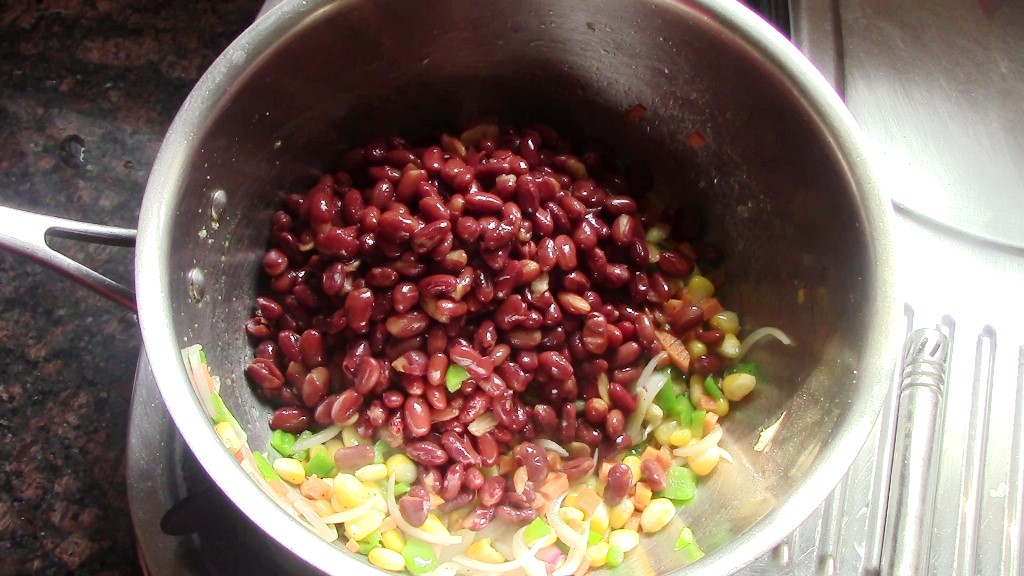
{"points": [[783, 181]]}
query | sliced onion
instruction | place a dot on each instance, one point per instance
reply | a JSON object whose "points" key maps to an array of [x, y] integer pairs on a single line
{"points": [[572, 563], [533, 566], [499, 567], [725, 455], [483, 424], [409, 529], [756, 335], [602, 388], [350, 514], [319, 438], [553, 446], [649, 369], [646, 391], [324, 530], [566, 534], [194, 368], [701, 446]]}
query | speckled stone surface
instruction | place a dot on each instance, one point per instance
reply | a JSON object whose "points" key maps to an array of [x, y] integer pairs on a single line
{"points": [[87, 90]]}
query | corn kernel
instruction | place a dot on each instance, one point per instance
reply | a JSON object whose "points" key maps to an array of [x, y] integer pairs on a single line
{"points": [[656, 515], [402, 467], [681, 437], [634, 466], [570, 514], [372, 473], [626, 539], [730, 346], [483, 551], [290, 470], [721, 407], [704, 463], [619, 514], [386, 559], [349, 491], [349, 437], [376, 494], [323, 507], [696, 348], [393, 540], [598, 554], [699, 288], [663, 432], [599, 519], [365, 525], [654, 414], [726, 321], [228, 437], [433, 525], [737, 385], [696, 388]]}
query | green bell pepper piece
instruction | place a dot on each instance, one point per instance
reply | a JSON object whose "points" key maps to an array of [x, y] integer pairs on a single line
{"points": [[680, 484], [282, 442], [697, 423], [454, 377], [264, 466], [419, 557], [320, 463], [711, 387]]}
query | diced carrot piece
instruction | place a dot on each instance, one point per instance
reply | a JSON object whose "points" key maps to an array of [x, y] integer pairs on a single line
{"points": [[540, 503], [603, 472], [709, 422], [642, 496], [649, 453], [677, 351], [555, 484], [696, 140], [587, 500], [352, 546], [664, 457], [706, 403], [633, 523], [710, 306]]}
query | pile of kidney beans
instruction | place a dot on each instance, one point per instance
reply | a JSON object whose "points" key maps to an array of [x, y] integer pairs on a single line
{"points": [[507, 252]]}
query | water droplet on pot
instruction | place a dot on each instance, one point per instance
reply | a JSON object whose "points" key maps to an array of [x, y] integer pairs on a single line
{"points": [[72, 151]]}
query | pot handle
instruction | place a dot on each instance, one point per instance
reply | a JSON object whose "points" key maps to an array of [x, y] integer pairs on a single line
{"points": [[26, 233]]}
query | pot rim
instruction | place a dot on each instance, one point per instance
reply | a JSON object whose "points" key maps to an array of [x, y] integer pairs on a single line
{"points": [[154, 282]]}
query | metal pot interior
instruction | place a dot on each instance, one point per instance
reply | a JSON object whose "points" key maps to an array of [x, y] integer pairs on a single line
{"points": [[779, 182]]}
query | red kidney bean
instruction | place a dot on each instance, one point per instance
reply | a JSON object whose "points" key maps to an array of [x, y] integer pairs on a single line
{"points": [[460, 449], [615, 423], [565, 252], [595, 411], [515, 516], [311, 347], [686, 319], [426, 453], [295, 374], [492, 491], [265, 374], [404, 297], [706, 364], [414, 509], [366, 374], [436, 397], [392, 399], [487, 448], [475, 406], [452, 484], [620, 478], [314, 386], [322, 413], [291, 419], [533, 458], [618, 204], [595, 334], [654, 474], [624, 230], [358, 306], [412, 362], [626, 355], [268, 350], [621, 398], [555, 364], [674, 264], [346, 406], [352, 458], [577, 468], [333, 279], [408, 325], [257, 328], [478, 519], [474, 478], [478, 366], [437, 367], [713, 337], [275, 262], [568, 422]]}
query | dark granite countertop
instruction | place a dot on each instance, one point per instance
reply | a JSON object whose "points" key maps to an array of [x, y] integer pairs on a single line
{"points": [[87, 90]]}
